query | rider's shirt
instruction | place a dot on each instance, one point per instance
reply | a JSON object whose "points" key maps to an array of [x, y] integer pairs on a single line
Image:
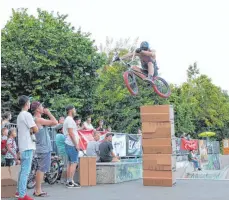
{"points": [[146, 59]]}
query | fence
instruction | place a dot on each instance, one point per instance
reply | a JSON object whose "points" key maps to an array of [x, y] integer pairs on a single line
{"points": [[129, 145]]}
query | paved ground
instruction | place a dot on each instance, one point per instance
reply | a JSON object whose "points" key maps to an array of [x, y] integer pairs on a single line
{"points": [[134, 190]]}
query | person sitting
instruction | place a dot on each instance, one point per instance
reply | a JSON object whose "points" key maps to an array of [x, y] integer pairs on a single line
{"points": [[193, 158], [4, 138], [100, 127], [87, 124], [77, 120], [106, 152], [93, 146]]}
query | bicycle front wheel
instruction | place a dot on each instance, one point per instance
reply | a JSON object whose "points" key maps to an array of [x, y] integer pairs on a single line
{"points": [[161, 87], [52, 176]]}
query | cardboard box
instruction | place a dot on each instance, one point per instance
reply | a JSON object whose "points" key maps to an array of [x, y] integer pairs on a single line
{"points": [[9, 178], [156, 109], [152, 130], [167, 182], [87, 171], [157, 142], [157, 117], [165, 149], [158, 174], [159, 162], [226, 151]]}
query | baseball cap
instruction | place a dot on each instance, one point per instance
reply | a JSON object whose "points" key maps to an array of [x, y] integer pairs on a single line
{"points": [[35, 105], [23, 100], [69, 107], [109, 134]]}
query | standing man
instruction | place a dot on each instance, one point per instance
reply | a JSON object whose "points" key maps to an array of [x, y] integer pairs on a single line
{"points": [[71, 145], [43, 143], [25, 125]]}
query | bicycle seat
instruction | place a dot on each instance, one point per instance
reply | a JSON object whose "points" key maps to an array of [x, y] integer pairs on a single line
{"points": [[144, 71]]}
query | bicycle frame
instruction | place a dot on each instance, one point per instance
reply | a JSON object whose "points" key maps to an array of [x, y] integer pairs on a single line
{"points": [[139, 72]]}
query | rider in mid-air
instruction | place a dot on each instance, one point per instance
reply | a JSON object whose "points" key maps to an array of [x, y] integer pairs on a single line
{"points": [[148, 59]]}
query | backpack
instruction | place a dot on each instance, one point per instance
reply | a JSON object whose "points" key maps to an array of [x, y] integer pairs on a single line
{"points": [[3, 147]]}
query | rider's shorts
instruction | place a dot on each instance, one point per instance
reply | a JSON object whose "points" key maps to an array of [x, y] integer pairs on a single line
{"points": [[145, 66]]}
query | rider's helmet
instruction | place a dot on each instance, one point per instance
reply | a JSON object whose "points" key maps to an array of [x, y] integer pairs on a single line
{"points": [[144, 46]]}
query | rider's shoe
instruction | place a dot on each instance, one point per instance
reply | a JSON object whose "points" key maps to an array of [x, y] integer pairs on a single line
{"points": [[149, 79]]}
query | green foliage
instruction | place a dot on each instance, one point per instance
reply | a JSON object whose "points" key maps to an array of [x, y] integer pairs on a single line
{"points": [[45, 57]]}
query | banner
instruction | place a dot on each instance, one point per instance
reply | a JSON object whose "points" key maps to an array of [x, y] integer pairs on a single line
{"points": [[226, 146], [203, 151], [134, 145], [213, 147], [87, 136], [179, 151], [189, 144], [119, 144]]}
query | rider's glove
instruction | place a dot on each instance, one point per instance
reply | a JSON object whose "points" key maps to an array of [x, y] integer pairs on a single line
{"points": [[138, 50], [116, 59]]}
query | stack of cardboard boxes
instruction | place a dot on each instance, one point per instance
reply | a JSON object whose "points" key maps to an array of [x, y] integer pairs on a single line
{"points": [[9, 178], [159, 145]]}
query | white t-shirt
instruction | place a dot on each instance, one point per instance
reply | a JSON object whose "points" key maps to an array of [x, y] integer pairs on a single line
{"points": [[25, 121], [88, 126], [69, 123]]}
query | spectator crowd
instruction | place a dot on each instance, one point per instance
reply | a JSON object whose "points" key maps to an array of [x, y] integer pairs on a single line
{"points": [[32, 136]]}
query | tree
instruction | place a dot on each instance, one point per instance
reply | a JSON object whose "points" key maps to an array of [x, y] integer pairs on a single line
{"points": [[208, 103], [46, 58]]}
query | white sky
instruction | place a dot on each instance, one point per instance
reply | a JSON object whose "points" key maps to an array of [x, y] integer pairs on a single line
{"points": [[181, 31]]}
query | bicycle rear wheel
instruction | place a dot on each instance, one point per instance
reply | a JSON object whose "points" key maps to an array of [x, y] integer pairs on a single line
{"points": [[32, 175], [130, 82], [161, 87], [52, 176]]}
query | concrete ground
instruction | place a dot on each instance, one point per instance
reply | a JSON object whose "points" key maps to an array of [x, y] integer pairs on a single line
{"points": [[134, 190]]}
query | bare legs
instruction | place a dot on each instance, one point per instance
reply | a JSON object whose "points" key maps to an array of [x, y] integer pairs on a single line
{"points": [[71, 171], [150, 69], [39, 179]]}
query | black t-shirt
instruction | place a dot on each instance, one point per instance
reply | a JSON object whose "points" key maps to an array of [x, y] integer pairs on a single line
{"points": [[105, 149]]}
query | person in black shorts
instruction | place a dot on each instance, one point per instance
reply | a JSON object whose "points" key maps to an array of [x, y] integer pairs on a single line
{"points": [[106, 152], [148, 59]]}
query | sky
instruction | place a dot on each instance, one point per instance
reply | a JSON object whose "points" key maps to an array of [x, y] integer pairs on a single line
{"points": [[181, 31]]}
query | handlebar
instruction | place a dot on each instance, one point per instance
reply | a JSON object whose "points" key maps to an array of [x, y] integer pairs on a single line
{"points": [[117, 58]]}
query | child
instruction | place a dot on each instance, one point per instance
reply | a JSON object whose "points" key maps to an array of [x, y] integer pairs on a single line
{"points": [[4, 140], [11, 155], [60, 143], [4, 133]]}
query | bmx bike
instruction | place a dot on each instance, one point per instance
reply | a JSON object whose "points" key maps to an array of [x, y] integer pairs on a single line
{"points": [[49, 177], [159, 85]]}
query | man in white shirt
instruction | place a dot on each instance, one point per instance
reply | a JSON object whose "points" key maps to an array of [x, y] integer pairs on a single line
{"points": [[71, 145], [26, 126]]}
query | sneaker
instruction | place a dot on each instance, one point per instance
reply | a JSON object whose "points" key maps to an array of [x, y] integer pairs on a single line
{"points": [[17, 195], [76, 184], [26, 197], [72, 185]]}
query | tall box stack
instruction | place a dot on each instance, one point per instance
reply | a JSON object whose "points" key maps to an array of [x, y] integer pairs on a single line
{"points": [[159, 145]]}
